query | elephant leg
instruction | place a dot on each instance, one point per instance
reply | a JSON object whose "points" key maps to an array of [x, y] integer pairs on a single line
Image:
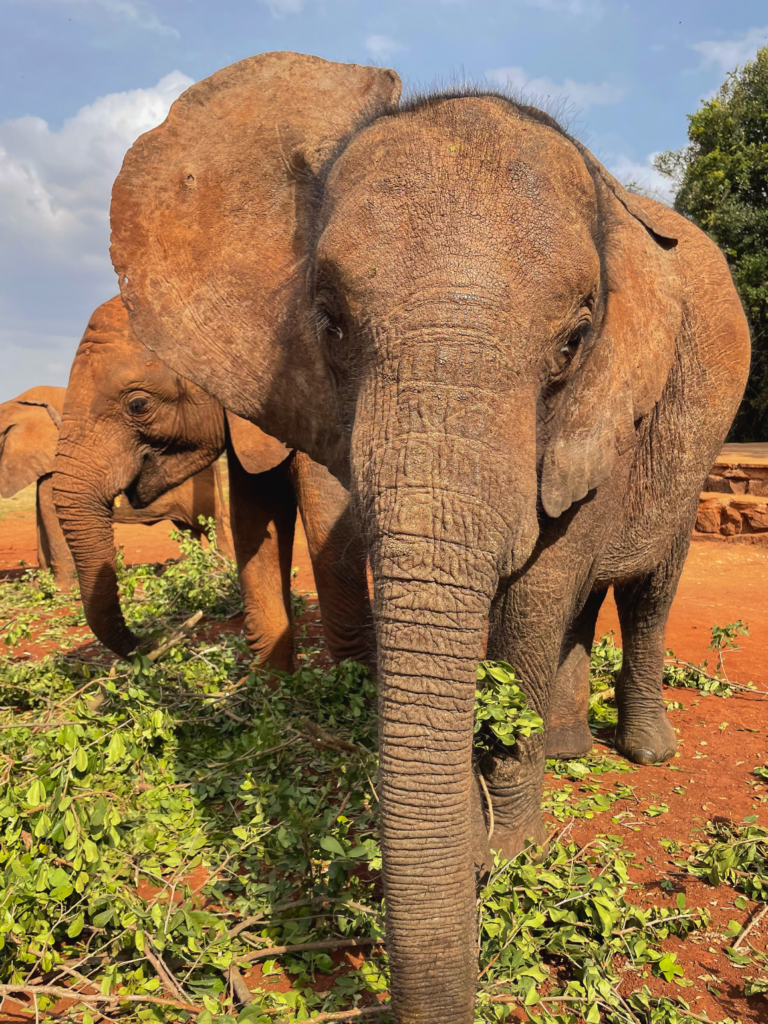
{"points": [[528, 635], [52, 549], [338, 560], [43, 545], [568, 733], [644, 733], [263, 516]]}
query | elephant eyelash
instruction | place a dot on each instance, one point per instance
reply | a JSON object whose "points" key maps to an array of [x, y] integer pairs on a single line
{"points": [[325, 325]]}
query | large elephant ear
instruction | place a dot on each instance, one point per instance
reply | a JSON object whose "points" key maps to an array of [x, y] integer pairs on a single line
{"points": [[256, 450], [623, 377], [209, 240], [29, 432]]}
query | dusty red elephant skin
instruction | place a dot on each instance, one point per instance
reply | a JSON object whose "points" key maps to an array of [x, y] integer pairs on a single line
{"points": [[524, 371], [130, 424], [29, 434]]}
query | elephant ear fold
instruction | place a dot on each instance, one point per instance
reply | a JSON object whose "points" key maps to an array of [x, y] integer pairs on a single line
{"points": [[210, 231], [256, 450], [28, 438], [626, 370], [650, 214]]}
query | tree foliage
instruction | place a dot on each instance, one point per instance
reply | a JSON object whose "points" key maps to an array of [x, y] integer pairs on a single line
{"points": [[722, 185]]}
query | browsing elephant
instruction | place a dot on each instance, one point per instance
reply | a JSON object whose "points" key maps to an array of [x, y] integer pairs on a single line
{"points": [[131, 425], [29, 432], [522, 371]]}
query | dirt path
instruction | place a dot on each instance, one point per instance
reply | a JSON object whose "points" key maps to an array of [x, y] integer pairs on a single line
{"points": [[722, 582]]}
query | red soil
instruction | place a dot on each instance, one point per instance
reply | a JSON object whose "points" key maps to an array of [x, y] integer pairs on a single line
{"points": [[721, 741]]}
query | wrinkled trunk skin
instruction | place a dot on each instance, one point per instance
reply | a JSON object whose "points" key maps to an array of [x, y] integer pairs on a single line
{"points": [[430, 501], [430, 639], [52, 550], [84, 508]]}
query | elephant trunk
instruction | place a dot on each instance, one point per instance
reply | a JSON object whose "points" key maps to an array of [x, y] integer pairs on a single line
{"points": [[438, 547], [430, 639], [84, 508]]}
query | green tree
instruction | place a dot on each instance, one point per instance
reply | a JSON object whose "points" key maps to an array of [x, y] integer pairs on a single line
{"points": [[722, 185]]}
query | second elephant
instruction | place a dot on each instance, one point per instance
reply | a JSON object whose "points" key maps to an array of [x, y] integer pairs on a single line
{"points": [[132, 425], [29, 433]]}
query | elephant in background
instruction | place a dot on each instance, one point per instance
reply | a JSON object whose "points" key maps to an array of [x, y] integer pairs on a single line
{"points": [[522, 371], [131, 425], [29, 433]]}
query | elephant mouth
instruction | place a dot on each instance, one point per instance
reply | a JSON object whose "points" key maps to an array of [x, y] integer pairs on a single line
{"points": [[131, 492]]}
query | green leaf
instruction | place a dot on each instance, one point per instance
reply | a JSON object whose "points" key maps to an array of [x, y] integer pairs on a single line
{"points": [[36, 794], [332, 845], [76, 926]]}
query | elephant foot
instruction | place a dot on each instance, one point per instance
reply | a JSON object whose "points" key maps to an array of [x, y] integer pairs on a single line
{"points": [[652, 742], [512, 840], [564, 742], [568, 732]]}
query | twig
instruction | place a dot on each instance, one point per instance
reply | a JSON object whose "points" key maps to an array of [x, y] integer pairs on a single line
{"points": [[69, 993], [241, 990], [722, 680], [304, 947], [356, 1013], [181, 634], [291, 905], [487, 795], [603, 695], [163, 972], [323, 738], [37, 725], [252, 753], [752, 924]]}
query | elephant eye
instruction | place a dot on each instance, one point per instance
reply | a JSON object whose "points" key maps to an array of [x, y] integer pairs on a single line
{"points": [[335, 330], [571, 347], [568, 351], [138, 405]]}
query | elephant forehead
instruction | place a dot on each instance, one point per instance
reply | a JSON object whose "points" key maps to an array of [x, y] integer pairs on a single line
{"points": [[467, 180]]}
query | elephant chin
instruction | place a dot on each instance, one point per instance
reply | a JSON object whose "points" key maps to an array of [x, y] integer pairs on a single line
{"points": [[86, 519]]}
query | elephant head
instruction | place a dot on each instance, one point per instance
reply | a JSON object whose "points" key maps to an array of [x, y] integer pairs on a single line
{"points": [[29, 430], [130, 424], [454, 306]]}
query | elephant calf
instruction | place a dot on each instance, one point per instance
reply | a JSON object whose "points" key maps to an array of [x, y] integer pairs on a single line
{"points": [[132, 425], [29, 432]]}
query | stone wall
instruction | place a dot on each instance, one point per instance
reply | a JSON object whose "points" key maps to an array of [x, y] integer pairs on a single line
{"points": [[735, 498]]}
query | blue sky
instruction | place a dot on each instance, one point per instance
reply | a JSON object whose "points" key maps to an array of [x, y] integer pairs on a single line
{"points": [[80, 79]]}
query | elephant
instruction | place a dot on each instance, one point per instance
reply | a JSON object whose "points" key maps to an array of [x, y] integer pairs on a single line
{"points": [[522, 371], [131, 425], [29, 432]]}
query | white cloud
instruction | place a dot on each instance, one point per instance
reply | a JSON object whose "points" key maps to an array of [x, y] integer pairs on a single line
{"points": [[54, 220], [280, 7], [581, 94], [725, 54], [644, 175], [382, 47]]}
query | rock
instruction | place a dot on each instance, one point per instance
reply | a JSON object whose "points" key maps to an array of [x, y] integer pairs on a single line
{"points": [[757, 517], [731, 523], [708, 517], [718, 484]]}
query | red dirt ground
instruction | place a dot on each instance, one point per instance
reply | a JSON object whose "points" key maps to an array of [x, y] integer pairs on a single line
{"points": [[721, 741]]}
